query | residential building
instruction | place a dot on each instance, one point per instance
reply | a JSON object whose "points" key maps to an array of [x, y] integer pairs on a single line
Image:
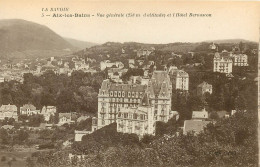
{"points": [[80, 133], [113, 97], [203, 88], [82, 118], [47, 111], [107, 64], [8, 111], [2, 79], [191, 126], [222, 63], [7, 127], [223, 114], [200, 115], [68, 118], [213, 47], [131, 63], [137, 120], [115, 74], [94, 124], [175, 114], [81, 65], [240, 59], [135, 80], [144, 52], [179, 79], [28, 109]]}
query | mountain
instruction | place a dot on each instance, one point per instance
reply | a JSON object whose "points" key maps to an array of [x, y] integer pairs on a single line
{"points": [[17, 37], [80, 44], [228, 41]]}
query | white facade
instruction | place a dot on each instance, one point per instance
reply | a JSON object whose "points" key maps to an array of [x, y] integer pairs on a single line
{"points": [[144, 52], [139, 121], [8, 111], [47, 111], [203, 88], [222, 64], [108, 64], [179, 78], [113, 97], [29, 109], [79, 134], [68, 118], [240, 60]]}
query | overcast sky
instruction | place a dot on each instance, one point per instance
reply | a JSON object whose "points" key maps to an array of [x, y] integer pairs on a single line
{"points": [[229, 20]]}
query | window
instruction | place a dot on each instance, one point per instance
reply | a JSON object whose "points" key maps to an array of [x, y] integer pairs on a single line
{"points": [[126, 115], [129, 94], [123, 94], [135, 116], [119, 94], [133, 94], [111, 93], [115, 94]]}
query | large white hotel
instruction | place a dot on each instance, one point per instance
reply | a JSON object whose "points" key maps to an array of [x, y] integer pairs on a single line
{"points": [[135, 107]]}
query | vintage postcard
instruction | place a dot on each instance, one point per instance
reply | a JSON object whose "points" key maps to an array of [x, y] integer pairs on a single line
{"points": [[129, 83]]}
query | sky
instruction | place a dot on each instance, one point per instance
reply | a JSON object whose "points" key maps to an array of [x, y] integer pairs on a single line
{"points": [[230, 20]]}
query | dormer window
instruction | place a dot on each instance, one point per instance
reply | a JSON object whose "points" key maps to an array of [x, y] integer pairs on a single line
{"points": [[133, 94]]}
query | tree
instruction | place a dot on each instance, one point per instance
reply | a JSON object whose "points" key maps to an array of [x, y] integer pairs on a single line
{"points": [[4, 137], [35, 120], [147, 139], [3, 158], [240, 103], [21, 137], [85, 125]]}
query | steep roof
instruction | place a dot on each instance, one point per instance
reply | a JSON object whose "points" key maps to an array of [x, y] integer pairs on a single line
{"points": [[200, 114], [127, 87], [196, 126], [145, 100], [73, 116], [222, 114], [224, 55], [204, 84], [28, 106], [159, 80], [8, 108]]}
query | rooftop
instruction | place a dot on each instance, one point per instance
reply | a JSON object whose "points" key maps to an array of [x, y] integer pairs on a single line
{"points": [[193, 125]]}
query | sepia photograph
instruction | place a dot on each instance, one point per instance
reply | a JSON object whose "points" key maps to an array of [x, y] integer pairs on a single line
{"points": [[129, 83]]}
